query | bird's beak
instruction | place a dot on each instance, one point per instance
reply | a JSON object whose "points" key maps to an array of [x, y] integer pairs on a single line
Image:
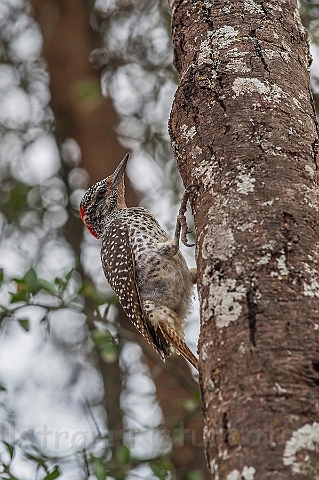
{"points": [[119, 172]]}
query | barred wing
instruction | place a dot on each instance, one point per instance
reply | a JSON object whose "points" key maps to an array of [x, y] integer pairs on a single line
{"points": [[118, 263]]}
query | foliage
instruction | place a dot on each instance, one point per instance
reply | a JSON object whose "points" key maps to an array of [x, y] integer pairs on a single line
{"points": [[49, 265]]}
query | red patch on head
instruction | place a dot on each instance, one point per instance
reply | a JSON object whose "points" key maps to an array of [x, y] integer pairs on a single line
{"points": [[82, 215]]}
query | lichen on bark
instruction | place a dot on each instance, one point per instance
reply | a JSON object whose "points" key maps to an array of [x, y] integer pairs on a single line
{"points": [[243, 128]]}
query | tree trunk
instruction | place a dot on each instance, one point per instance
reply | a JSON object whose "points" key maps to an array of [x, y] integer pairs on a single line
{"points": [[244, 130]]}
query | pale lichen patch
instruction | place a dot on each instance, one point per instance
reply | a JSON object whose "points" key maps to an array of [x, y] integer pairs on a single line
{"points": [[270, 245], [249, 85], [235, 52], [195, 151], [211, 385], [224, 454], [206, 171], [305, 438], [242, 349], [282, 267], [219, 243], [224, 298], [279, 388], [311, 196], [248, 473], [237, 65], [311, 287], [252, 7], [272, 92], [303, 96], [188, 133], [269, 202], [213, 42], [264, 260], [225, 36], [214, 469], [286, 46], [270, 54], [206, 346], [245, 183], [205, 52], [285, 56], [275, 6], [226, 9], [296, 102], [310, 171], [246, 226]]}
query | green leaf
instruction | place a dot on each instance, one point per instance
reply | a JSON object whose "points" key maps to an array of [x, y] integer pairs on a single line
{"points": [[90, 292], [88, 90], [30, 284], [157, 470], [19, 296], [24, 322], [162, 468], [38, 460], [16, 202], [99, 468], [59, 282], [195, 475], [69, 274], [10, 449], [196, 394], [2, 388], [31, 281], [101, 337], [3, 312], [54, 474], [109, 353], [1, 276], [123, 455], [104, 341], [45, 285], [190, 405]]}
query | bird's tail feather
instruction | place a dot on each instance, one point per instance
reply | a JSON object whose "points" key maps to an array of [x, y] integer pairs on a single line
{"points": [[179, 344]]}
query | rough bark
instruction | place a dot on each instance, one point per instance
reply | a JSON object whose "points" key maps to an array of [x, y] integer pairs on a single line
{"points": [[243, 128]]}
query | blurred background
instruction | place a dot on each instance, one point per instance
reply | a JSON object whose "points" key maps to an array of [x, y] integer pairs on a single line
{"points": [[82, 396]]}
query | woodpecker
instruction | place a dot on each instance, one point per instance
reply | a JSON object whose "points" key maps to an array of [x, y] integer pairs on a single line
{"points": [[142, 264]]}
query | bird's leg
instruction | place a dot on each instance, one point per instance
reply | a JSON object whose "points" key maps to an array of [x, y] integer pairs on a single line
{"points": [[169, 248], [181, 223]]}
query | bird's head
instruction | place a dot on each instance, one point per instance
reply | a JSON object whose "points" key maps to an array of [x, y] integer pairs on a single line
{"points": [[102, 199]]}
